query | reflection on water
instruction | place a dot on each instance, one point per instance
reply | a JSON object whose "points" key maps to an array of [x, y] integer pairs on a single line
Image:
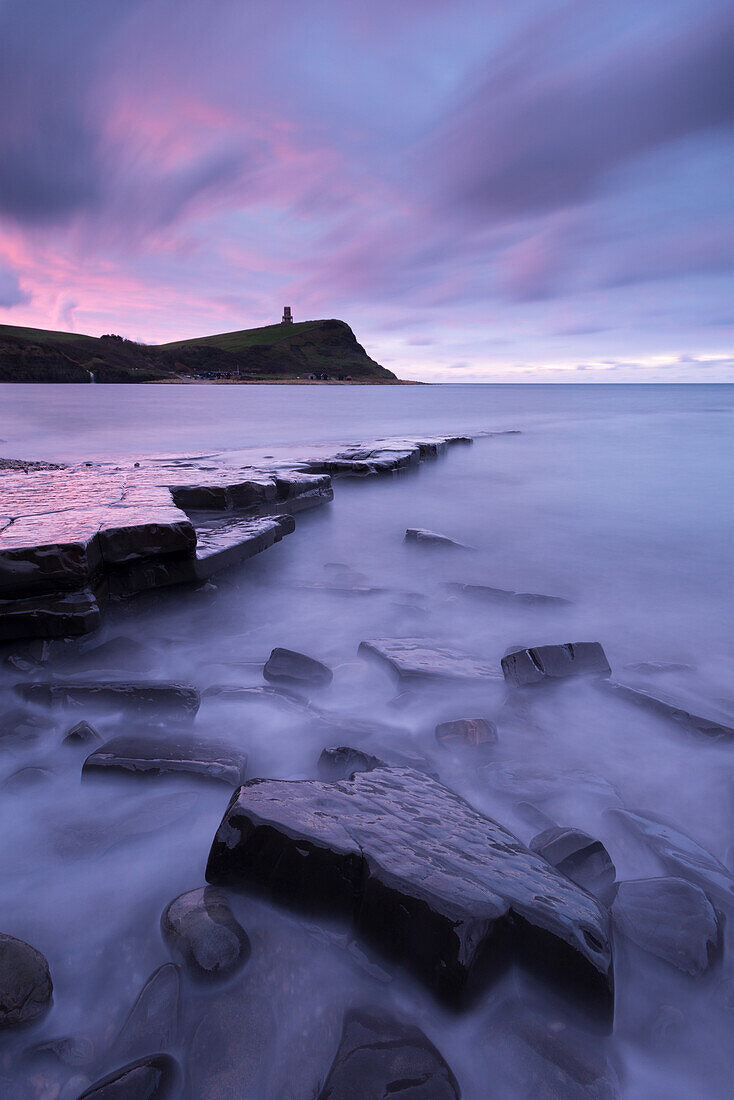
{"points": [[617, 501]]}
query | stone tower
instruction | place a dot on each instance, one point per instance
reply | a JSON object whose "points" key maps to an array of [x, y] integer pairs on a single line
{"points": [[287, 316]]}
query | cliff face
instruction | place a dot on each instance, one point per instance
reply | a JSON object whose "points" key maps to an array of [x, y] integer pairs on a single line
{"points": [[327, 349]]}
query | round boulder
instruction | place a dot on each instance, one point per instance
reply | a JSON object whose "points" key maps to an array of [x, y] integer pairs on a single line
{"points": [[25, 983]]}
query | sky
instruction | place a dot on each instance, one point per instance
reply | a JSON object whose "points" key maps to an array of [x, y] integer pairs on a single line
{"points": [[485, 191]]}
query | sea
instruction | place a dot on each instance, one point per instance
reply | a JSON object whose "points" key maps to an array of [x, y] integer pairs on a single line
{"points": [[617, 498]]}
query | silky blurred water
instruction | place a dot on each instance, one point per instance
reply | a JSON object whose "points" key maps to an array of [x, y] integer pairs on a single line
{"points": [[618, 498]]}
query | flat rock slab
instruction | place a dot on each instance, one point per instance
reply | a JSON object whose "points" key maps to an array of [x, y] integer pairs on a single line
{"points": [[680, 854], [179, 753], [436, 883], [25, 983], [670, 918], [55, 615], [134, 695], [426, 538], [674, 710], [286, 666], [380, 1056], [414, 659], [156, 1077], [127, 533], [555, 662], [581, 858], [44, 553], [507, 596], [200, 928]]}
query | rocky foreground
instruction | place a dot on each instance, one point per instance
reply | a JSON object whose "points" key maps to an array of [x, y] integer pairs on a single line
{"points": [[378, 862]]}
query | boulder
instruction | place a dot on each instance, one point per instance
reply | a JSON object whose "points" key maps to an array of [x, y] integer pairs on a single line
{"points": [[426, 538], [437, 884], [176, 753], [142, 696], [200, 929], [81, 734], [380, 1056], [413, 659], [555, 662], [341, 762], [680, 854], [670, 918], [466, 731], [25, 983], [155, 1077], [286, 666], [581, 858], [154, 1020]]}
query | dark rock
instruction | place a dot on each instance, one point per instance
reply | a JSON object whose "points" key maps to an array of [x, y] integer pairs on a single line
{"points": [[380, 1056], [176, 753], [466, 731], [286, 700], [143, 695], [200, 928], [128, 533], [581, 858], [40, 553], [680, 854], [154, 1020], [227, 1053], [155, 1077], [670, 918], [25, 983], [506, 596], [436, 883], [71, 1050], [429, 538], [285, 666], [412, 659], [56, 615], [554, 662], [675, 711], [341, 762], [25, 778], [81, 734]]}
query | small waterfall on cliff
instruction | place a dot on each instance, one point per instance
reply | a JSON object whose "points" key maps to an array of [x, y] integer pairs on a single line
{"points": [[92, 379]]}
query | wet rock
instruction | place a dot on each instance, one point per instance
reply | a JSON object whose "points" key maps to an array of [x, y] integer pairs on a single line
{"points": [[668, 708], [229, 542], [141, 696], [127, 533], [340, 762], [435, 883], [41, 553], [115, 653], [19, 725], [155, 1077], [555, 662], [413, 659], [670, 918], [466, 731], [423, 537], [680, 854], [89, 838], [25, 983], [176, 753], [650, 667], [581, 858], [286, 666], [200, 928], [24, 779], [228, 1051], [154, 1020], [281, 697], [56, 615], [81, 734], [381, 1056], [70, 1050], [506, 596]]}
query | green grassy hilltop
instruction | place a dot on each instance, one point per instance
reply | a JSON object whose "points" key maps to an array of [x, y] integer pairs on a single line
{"points": [[327, 350]]}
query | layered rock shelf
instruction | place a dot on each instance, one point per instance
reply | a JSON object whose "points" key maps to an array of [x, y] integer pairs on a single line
{"points": [[72, 537]]}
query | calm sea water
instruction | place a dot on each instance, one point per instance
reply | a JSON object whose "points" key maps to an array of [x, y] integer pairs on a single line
{"points": [[616, 497]]}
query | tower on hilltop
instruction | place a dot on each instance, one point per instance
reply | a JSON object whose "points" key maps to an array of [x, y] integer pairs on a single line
{"points": [[287, 316]]}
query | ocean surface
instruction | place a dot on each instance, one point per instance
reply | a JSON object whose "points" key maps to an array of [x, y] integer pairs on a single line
{"points": [[618, 498]]}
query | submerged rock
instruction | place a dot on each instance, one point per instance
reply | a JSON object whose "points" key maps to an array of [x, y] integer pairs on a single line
{"points": [[154, 1020], [423, 537], [55, 615], [670, 918], [155, 1077], [668, 708], [81, 734], [177, 753], [25, 983], [137, 695], [286, 666], [555, 662], [505, 596], [25, 778], [229, 1049], [200, 928], [466, 731], [380, 1056], [413, 659], [437, 884], [20, 725], [581, 858], [70, 1050], [341, 762]]}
